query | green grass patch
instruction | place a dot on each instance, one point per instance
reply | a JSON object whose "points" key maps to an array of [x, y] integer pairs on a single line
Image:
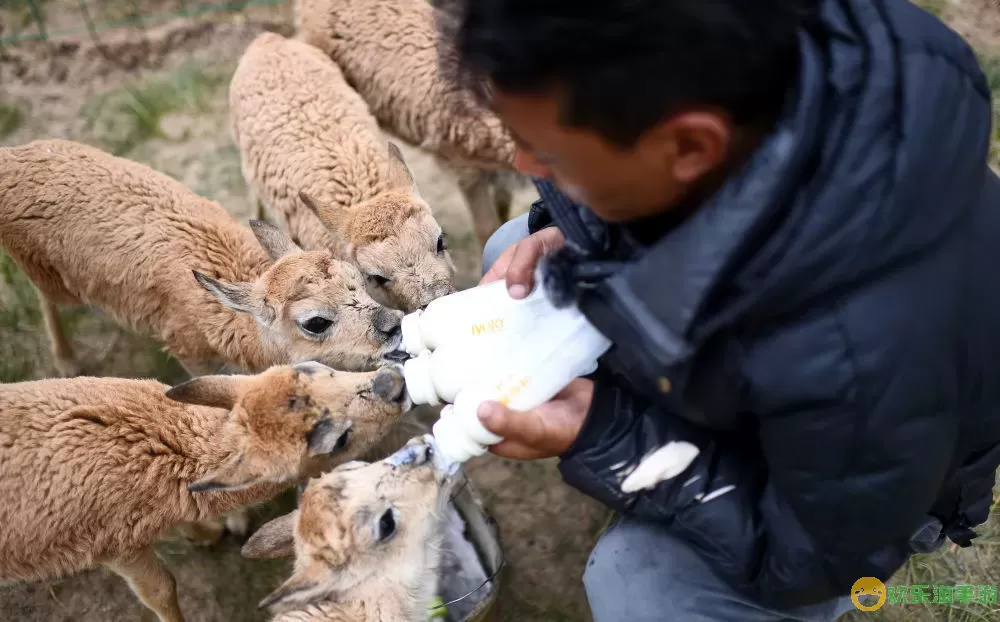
{"points": [[123, 118], [19, 319], [937, 7], [11, 118], [991, 68]]}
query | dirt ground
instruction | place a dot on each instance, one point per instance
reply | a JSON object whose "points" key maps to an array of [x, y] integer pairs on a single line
{"points": [[158, 95], [179, 73]]}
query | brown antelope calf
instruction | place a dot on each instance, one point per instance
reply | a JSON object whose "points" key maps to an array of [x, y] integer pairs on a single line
{"points": [[313, 152], [90, 228], [366, 540], [94, 470]]}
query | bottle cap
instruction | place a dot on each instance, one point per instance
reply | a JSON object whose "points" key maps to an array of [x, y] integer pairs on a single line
{"points": [[413, 341], [419, 382]]}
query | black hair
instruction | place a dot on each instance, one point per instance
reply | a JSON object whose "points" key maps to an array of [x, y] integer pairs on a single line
{"points": [[624, 65]]}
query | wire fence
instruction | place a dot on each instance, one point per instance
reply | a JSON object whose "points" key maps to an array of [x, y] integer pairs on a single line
{"points": [[29, 20]]}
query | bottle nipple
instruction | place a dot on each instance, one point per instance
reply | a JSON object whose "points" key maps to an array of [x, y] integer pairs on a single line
{"points": [[419, 381], [413, 340]]}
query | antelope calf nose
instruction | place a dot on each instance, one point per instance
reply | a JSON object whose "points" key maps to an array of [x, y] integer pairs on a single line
{"points": [[389, 385], [387, 322]]}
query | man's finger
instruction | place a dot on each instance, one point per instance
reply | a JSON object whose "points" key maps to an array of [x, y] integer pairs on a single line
{"points": [[521, 270], [526, 428]]}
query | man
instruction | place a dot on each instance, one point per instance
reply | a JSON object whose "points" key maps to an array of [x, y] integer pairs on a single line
{"points": [[780, 213]]}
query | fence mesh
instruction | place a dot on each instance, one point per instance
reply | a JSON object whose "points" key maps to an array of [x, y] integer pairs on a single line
{"points": [[47, 20]]}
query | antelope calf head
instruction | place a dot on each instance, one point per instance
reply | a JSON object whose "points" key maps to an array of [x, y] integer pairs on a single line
{"points": [[374, 525], [394, 239], [290, 423], [312, 307]]}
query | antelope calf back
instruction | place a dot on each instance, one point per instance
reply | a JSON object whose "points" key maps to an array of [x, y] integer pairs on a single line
{"points": [[313, 152]]}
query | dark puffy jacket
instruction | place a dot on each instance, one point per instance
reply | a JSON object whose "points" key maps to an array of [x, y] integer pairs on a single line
{"points": [[826, 328]]}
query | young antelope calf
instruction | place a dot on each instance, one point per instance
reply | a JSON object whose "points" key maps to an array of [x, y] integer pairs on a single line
{"points": [[313, 152], [94, 470], [90, 228], [366, 539]]}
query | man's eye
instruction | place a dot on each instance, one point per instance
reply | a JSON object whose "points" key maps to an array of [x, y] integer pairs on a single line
{"points": [[442, 244], [378, 279], [317, 325]]}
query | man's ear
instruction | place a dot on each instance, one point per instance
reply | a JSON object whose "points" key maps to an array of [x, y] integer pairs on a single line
{"points": [[701, 142], [236, 296], [236, 473], [273, 240], [305, 586], [274, 540], [399, 173], [215, 391]]}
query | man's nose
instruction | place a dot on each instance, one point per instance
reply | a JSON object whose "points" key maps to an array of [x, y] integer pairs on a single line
{"points": [[528, 165]]}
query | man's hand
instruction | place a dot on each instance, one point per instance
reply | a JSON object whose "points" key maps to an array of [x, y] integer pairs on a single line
{"points": [[544, 432], [517, 263]]}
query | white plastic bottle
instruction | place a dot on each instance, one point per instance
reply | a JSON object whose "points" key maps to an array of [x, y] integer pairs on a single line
{"points": [[471, 314], [533, 366], [438, 376]]}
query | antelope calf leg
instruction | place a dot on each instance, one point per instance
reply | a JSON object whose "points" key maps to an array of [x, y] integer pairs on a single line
{"points": [[62, 351], [151, 582], [482, 206]]}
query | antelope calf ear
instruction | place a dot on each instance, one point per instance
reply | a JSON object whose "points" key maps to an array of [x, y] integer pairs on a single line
{"points": [[273, 240], [274, 540], [236, 296], [236, 473], [335, 218], [215, 391], [399, 173], [308, 584], [328, 436]]}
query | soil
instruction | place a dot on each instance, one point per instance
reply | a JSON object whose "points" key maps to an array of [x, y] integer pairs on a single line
{"points": [[67, 90]]}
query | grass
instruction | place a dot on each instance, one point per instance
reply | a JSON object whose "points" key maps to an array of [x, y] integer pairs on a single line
{"points": [[11, 118], [123, 118], [991, 67], [19, 318]]}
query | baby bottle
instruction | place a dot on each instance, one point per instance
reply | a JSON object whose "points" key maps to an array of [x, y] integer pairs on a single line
{"points": [[531, 368], [438, 376], [470, 315]]}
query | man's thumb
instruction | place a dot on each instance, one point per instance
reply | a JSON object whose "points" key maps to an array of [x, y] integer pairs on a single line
{"points": [[493, 416], [513, 425]]}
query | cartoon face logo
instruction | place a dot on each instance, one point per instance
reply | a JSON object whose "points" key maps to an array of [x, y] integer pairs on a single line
{"points": [[868, 586]]}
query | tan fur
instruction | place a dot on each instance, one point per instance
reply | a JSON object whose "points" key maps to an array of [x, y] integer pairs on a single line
{"points": [[342, 571], [388, 50], [311, 149], [94, 470], [89, 228]]}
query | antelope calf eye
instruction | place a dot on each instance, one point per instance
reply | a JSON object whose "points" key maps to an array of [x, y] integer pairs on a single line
{"points": [[442, 244], [317, 325], [386, 525], [378, 279]]}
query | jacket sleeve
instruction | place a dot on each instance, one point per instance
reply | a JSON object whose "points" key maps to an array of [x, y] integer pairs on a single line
{"points": [[801, 529]]}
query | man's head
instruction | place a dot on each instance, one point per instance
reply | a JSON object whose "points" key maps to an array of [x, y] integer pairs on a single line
{"points": [[630, 106]]}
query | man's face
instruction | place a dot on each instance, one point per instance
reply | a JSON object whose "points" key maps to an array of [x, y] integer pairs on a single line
{"points": [[619, 184]]}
